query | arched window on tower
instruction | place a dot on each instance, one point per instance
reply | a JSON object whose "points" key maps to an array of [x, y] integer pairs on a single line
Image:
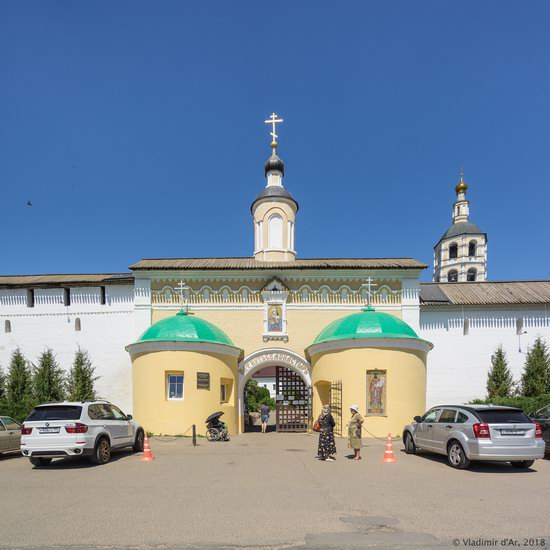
{"points": [[7, 326], [472, 249], [77, 324], [452, 276], [275, 232], [471, 274], [453, 251]]}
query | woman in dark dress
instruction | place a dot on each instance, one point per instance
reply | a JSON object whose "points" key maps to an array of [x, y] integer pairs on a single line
{"points": [[327, 447]]}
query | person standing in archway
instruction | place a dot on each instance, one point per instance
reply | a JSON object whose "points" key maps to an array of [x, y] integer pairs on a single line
{"points": [[354, 431], [264, 416], [327, 446]]}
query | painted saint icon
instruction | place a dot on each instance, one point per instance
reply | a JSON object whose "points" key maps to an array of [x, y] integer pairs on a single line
{"points": [[376, 392], [275, 318]]}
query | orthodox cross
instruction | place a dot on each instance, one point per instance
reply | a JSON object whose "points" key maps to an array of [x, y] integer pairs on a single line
{"points": [[273, 120], [369, 284], [183, 299]]}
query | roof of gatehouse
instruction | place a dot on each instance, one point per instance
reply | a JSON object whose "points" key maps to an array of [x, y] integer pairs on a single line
{"points": [[251, 263]]}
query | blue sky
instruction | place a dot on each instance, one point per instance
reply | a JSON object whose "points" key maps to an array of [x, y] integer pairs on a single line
{"points": [[136, 128]]}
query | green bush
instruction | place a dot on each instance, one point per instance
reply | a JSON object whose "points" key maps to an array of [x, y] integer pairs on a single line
{"points": [[528, 404], [256, 396]]}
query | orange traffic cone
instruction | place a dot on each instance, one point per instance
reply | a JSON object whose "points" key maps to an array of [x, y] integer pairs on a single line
{"points": [[147, 454], [388, 453]]}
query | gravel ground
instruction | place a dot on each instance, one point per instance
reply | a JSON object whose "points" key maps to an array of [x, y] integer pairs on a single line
{"points": [[269, 491]]}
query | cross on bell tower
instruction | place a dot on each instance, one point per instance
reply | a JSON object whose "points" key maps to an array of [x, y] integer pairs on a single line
{"points": [[273, 120]]}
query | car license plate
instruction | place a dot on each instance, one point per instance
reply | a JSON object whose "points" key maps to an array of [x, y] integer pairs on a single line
{"points": [[512, 432], [48, 430]]}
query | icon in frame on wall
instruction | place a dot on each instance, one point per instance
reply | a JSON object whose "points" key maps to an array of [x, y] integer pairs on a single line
{"points": [[275, 318], [376, 392]]}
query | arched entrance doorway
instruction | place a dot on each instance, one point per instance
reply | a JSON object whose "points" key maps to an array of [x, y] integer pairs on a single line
{"points": [[292, 386]]}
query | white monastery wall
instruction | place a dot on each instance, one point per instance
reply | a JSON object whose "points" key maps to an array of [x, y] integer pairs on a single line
{"points": [[105, 331], [459, 363]]}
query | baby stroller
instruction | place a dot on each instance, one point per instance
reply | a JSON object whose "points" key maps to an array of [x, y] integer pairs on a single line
{"points": [[215, 428]]}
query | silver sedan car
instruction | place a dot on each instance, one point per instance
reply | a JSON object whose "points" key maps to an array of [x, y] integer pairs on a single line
{"points": [[476, 432], [10, 435]]}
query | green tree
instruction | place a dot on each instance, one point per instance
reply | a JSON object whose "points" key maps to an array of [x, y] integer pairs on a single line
{"points": [[2, 392], [499, 379], [2, 383], [80, 382], [257, 395], [535, 379], [18, 398], [48, 379]]}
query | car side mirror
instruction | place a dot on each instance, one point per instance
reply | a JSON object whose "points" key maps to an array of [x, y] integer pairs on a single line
{"points": [[417, 419], [129, 417]]}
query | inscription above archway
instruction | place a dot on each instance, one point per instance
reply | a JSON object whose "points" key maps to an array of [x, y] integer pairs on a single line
{"points": [[274, 357]]}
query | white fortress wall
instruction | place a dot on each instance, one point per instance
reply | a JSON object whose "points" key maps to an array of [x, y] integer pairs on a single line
{"points": [[105, 331], [459, 363]]}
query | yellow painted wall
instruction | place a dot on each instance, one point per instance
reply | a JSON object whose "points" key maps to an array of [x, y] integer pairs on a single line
{"points": [[406, 384], [245, 327], [158, 414]]}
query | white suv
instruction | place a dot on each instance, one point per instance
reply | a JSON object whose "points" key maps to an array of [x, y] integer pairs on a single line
{"points": [[85, 428]]}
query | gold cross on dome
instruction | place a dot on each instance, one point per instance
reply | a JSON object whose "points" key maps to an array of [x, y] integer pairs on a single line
{"points": [[273, 120]]}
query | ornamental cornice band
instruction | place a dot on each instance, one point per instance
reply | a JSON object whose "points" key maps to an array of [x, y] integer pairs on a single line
{"points": [[148, 347], [392, 343]]}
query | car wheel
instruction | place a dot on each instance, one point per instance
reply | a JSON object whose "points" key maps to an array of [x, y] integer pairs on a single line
{"points": [[523, 464], [138, 443], [456, 456], [102, 452], [40, 461], [410, 447]]}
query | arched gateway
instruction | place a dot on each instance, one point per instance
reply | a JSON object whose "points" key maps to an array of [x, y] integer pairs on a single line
{"points": [[293, 386]]}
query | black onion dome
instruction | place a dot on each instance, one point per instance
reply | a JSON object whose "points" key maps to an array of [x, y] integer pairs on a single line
{"points": [[274, 163], [274, 192]]}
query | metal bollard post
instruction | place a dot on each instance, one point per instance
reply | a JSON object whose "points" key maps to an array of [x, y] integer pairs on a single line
{"points": [[194, 435]]}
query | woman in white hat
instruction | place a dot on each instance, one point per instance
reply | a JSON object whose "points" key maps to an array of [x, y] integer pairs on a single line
{"points": [[354, 431]]}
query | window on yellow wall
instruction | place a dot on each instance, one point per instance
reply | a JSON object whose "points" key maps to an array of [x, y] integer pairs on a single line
{"points": [[226, 387], [174, 386]]}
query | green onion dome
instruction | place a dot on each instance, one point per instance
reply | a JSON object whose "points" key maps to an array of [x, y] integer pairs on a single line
{"points": [[185, 328], [368, 323]]}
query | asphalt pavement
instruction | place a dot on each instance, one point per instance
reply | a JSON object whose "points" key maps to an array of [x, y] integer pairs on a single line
{"points": [[269, 491]]}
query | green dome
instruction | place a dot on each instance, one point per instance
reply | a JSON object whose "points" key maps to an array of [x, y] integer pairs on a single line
{"points": [[185, 328], [366, 324]]}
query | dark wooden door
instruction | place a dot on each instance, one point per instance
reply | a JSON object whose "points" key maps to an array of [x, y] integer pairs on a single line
{"points": [[293, 398]]}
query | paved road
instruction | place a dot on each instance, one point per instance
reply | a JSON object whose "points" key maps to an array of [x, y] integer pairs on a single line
{"points": [[268, 491]]}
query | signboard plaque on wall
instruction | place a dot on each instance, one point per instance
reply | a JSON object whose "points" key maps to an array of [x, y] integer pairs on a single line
{"points": [[203, 380]]}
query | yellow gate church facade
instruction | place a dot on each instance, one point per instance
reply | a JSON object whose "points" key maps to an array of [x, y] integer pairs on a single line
{"points": [[343, 325]]}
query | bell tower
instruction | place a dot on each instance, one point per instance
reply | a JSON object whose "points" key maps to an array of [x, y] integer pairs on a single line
{"points": [[274, 210], [461, 253]]}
